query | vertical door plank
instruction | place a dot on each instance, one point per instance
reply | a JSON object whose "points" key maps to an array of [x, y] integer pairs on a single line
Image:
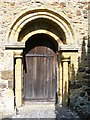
{"points": [[49, 72], [45, 74], [35, 74], [51, 77]]}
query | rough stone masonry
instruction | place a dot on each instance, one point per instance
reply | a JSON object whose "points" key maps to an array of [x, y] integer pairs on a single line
{"points": [[77, 12]]}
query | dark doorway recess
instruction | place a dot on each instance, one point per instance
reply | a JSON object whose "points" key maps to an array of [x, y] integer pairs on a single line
{"points": [[40, 73]]}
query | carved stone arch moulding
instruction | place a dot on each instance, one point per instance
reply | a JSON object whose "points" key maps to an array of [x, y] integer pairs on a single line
{"points": [[57, 18]]}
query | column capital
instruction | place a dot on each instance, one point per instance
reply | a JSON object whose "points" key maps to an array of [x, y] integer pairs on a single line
{"points": [[65, 58], [18, 53]]}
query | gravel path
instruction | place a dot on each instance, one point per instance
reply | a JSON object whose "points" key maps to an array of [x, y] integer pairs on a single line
{"points": [[45, 110]]}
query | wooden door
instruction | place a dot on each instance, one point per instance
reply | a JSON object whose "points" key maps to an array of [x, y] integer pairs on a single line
{"points": [[40, 74]]}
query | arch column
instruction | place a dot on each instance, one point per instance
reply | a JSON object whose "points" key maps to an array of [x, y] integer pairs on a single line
{"points": [[18, 77], [65, 84]]}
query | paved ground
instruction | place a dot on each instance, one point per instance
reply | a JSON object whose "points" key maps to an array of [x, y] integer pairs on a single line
{"points": [[45, 110]]}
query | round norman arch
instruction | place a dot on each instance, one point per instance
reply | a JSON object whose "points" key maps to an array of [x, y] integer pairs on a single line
{"points": [[56, 25]]}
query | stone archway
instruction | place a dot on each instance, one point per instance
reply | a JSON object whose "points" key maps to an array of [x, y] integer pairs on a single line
{"points": [[53, 24]]}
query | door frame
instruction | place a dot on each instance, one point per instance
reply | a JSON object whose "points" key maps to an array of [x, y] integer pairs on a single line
{"points": [[19, 78], [65, 57]]}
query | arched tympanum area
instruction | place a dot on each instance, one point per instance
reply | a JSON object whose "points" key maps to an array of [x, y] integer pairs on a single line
{"points": [[40, 73], [42, 25], [36, 37]]}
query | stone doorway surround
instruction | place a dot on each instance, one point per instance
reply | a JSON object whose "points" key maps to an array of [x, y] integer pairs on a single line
{"points": [[58, 27]]}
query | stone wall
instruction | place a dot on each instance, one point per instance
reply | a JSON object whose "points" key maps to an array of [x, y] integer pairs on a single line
{"points": [[80, 83], [77, 13]]}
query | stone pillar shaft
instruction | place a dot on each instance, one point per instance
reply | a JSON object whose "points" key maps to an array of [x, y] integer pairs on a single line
{"points": [[18, 81], [60, 87], [65, 82]]}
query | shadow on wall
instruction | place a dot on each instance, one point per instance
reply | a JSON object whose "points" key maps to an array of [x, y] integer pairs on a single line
{"points": [[80, 83]]}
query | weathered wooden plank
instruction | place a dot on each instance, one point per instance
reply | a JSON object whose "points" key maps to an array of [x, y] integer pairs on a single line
{"points": [[28, 86], [45, 73], [35, 74]]}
